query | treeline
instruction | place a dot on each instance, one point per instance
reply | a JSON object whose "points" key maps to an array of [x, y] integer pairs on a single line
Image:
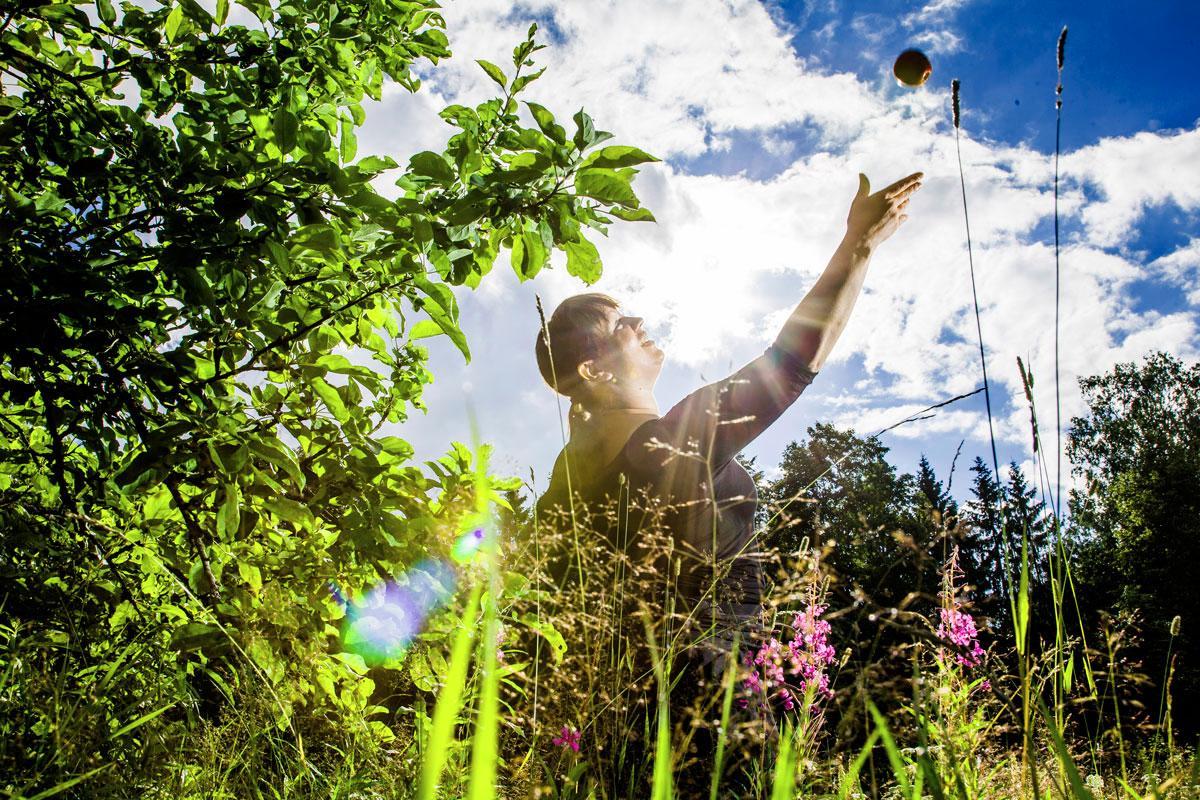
{"points": [[1120, 562], [1125, 551]]}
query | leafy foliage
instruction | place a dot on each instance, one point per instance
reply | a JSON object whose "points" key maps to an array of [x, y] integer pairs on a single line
{"points": [[1137, 451], [210, 315]]}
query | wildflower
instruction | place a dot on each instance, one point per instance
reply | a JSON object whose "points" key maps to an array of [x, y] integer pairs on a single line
{"points": [[569, 737], [958, 628], [501, 638], [805, 656]]}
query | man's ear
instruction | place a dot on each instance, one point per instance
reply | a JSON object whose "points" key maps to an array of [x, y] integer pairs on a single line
{"points": [[587, 370]]}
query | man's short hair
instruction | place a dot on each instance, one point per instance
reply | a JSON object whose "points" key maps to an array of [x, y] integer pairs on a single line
{"points": [[578, 332]]}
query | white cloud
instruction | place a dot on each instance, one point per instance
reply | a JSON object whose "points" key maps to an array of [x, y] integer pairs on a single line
{"points": [[939, 41], [673, 72], [1132, 174], [1182, 268], [933, 12]]}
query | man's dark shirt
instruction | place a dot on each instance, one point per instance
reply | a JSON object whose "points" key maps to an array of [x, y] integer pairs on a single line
{"points": [[686, 459]]}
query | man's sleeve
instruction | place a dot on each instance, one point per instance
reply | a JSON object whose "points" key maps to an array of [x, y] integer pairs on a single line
{"points": [[715, 423]]}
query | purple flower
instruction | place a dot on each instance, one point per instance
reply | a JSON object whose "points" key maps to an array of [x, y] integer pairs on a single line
{"points": [[569, 737], [958, 628], [805, 656]]}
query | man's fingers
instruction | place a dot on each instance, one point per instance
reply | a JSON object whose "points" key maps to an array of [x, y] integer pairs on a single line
{"points": [[904, 192], [913, 180]]}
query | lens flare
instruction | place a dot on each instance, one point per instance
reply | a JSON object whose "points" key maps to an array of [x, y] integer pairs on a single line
{"points": [[382, 624], [474, 537], [336, 593], [468, 545]]}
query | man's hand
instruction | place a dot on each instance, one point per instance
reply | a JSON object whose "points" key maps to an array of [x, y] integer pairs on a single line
{"points": [[875, 217]]}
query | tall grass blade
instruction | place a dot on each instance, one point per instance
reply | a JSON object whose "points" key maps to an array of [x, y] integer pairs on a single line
{"points": [[1078, 790], [69, 784], [1061, 53], [893, 752], [848, 786], [987, 394], [662, 775], [1021, 605], [784, 782], [142, 720], [729, 680], [449, 702], [485, 741]]}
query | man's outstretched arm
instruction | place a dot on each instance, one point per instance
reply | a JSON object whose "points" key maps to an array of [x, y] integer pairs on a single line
{"points": [[814, 327], [722, 418]]}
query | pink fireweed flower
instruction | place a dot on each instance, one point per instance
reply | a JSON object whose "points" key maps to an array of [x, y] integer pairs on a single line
{"points": [[958, 628], [805, 657], [569, 737]]}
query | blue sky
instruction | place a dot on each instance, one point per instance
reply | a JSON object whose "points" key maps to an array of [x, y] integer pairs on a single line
{"points": [[1128, 64], [763, 115]]}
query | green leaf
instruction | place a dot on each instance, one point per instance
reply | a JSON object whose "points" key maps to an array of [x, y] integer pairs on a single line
{"points": [[141, 464], [605, 185], [523, 81], [373, 165], [222, 11], [108, 14], [494, 72], [331, 398], [195, 635], [347, 142], [466, 210], [174, 19], [528, 254], [290, 510], [617, 156], [394, 445], [251, 574], [545, 121], [424, 329], [284, 128], [197, 13], [585, 131], [431, 165], [229, 517], [583, 261], [276, 453], [318, 236], [632, 214], [548, 632]]}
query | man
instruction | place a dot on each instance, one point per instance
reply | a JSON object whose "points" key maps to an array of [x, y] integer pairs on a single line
{"points": [[621, 447]]}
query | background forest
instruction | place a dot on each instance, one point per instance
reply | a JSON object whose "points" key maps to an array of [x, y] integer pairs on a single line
{"points": [[208, 314]]}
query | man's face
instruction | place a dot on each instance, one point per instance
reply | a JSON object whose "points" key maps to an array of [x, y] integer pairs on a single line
{"points": [[630, 355]]}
